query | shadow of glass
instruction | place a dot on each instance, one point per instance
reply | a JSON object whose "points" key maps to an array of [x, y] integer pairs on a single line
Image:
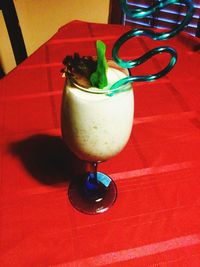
{"points": [[48, 159]]}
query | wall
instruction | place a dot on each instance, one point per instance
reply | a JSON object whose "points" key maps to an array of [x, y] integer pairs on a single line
{"points": [[40, 19]]}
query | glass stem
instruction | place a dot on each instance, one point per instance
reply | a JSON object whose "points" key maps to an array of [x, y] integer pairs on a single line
{"points": [[92, 182], [94, 166]]}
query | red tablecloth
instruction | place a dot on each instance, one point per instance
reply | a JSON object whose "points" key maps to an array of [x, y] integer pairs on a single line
{"points": [[156, 218]]}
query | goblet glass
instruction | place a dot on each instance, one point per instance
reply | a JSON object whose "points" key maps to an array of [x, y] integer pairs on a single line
{"points": [[96, 125]]}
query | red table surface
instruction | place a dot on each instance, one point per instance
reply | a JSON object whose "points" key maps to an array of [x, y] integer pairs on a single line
{"points": [[156, 218]]}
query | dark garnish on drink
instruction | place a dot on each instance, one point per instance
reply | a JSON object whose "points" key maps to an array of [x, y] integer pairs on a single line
{"points": [[86, 72], [79, 69]]}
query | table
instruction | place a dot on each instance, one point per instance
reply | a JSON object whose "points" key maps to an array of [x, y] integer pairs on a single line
{"points": [[156, 218]]}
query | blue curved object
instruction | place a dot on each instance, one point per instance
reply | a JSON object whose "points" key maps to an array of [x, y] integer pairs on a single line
{"points": [[141, 13]]}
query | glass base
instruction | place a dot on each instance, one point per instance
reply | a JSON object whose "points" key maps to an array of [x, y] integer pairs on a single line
{"points": [[92, 195]]}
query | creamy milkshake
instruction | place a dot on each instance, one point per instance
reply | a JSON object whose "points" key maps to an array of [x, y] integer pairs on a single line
{"points": [[95, 125]]}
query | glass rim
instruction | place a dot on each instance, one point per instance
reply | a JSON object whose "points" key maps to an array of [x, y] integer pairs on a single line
{"points": [[94, 90], [106, 90]]}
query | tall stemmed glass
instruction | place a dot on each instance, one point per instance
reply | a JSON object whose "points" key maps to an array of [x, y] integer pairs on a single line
{"points": [[96, 125]]}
